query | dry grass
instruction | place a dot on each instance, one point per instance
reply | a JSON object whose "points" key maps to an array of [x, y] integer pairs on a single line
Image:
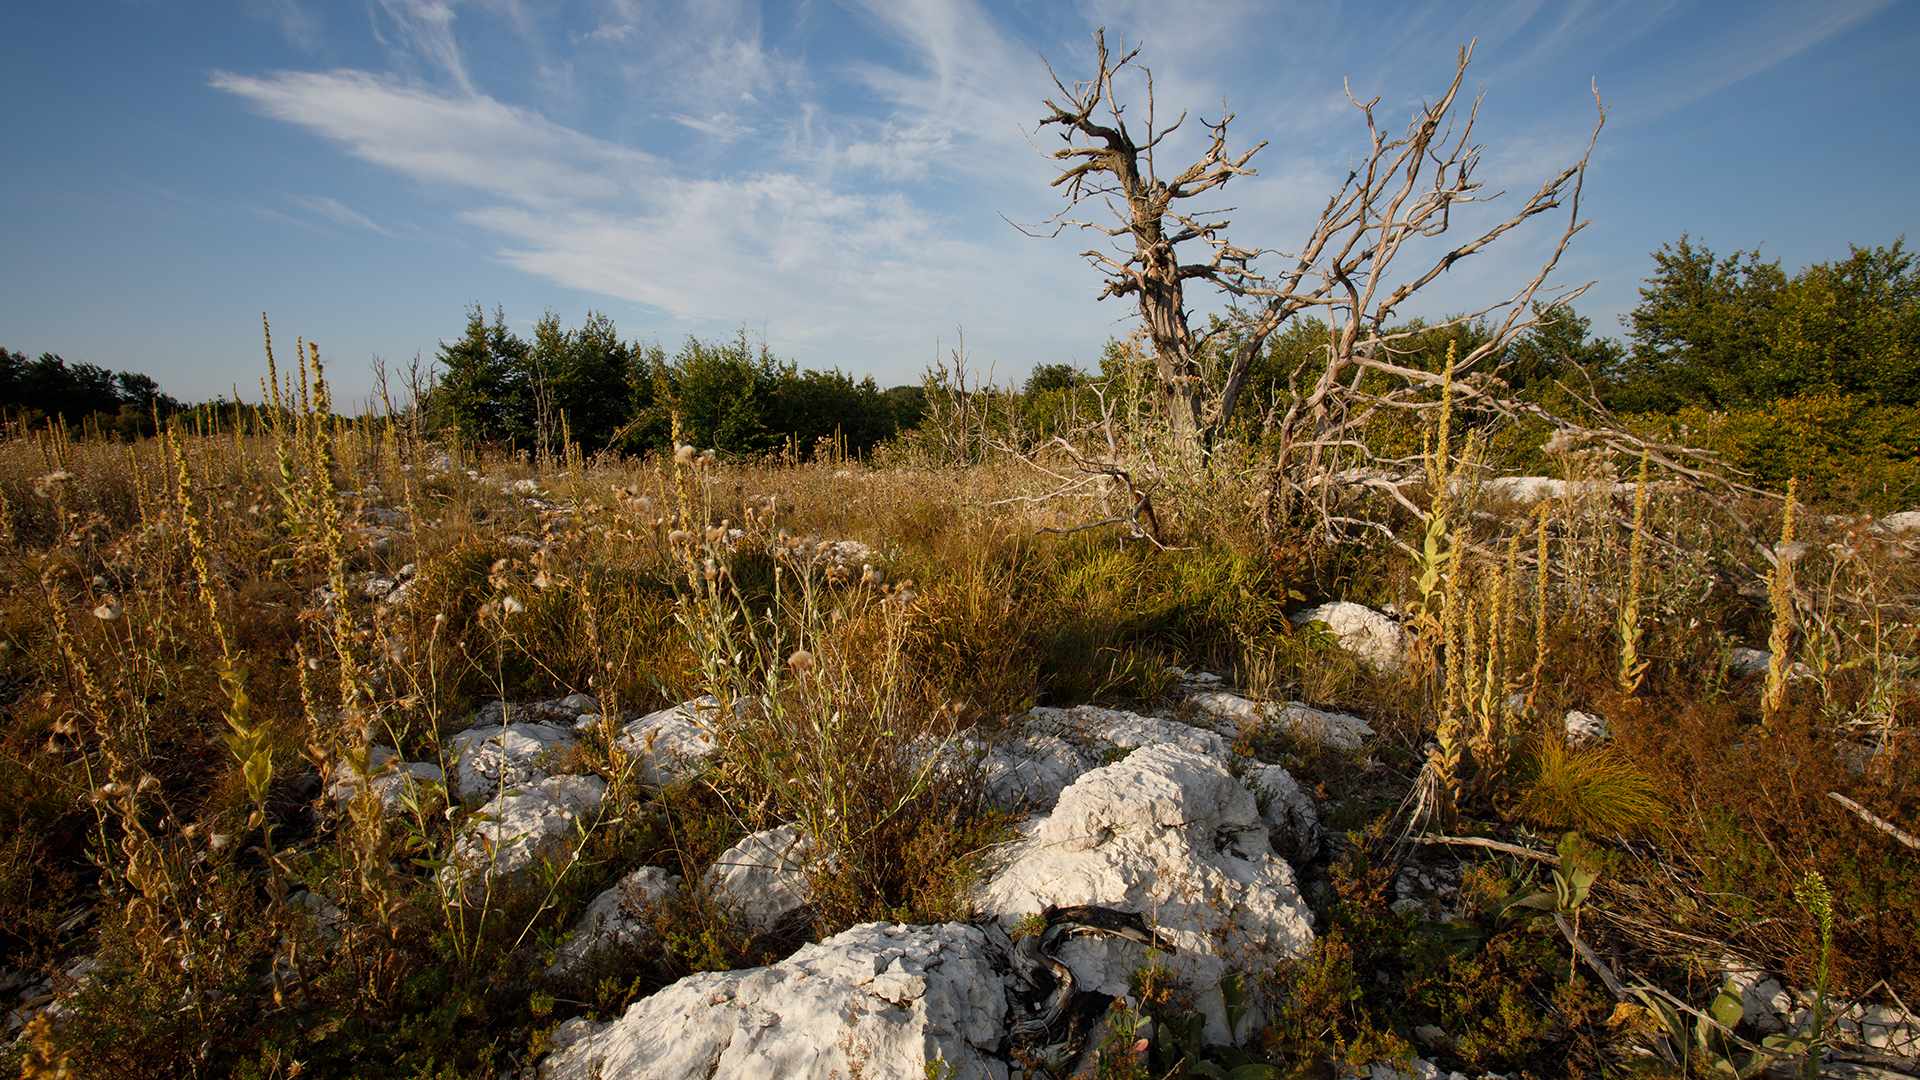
{"points": [[133, 832]]}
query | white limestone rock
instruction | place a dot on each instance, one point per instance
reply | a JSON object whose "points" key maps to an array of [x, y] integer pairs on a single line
{"points": [[615, 919], [1171, 834], [1900, 524], [879, 1000], [1763, 1001], [1415, 1069], [1318, 725], [763, 877], [1584, 728], [525, 823], [1375, 638], [1292, 820], [1042, 752], [579, 703], [1337, 730], [391, 780], [673, 743], [489, 758], [1524, 490]]}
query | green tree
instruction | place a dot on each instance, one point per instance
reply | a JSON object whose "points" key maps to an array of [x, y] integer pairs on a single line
{"points": [[1721, 333], [1700, 333], [483, 387], [1849, 327], [582, 377]]}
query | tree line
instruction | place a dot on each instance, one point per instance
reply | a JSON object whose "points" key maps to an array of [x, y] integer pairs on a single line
{"points": [[589, 386], [86, 397]]}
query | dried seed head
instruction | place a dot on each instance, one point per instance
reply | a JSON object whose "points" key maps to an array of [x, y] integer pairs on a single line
{"points": [[683, 454], [512, 606], [801, 663], [108, 610]]}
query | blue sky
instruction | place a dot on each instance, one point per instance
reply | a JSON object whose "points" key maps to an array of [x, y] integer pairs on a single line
{"points": [[836, 176]]}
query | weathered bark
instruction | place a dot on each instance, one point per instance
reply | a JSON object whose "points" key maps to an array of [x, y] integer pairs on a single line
{"points": [[1107, 161]]}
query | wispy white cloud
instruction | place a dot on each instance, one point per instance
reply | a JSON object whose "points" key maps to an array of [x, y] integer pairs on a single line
{"points": [[1757, 39], [852, 191], [426, 27], [721, 125], [591, 215], [300, 26], [337, 211], [608, 32], [467, 140]]}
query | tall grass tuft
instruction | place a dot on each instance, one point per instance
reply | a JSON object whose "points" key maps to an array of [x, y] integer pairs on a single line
{"points": [[1595, 790]]}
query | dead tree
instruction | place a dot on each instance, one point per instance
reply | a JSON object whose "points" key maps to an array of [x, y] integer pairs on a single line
{"points": [[1104, 161], [1403, 191]]}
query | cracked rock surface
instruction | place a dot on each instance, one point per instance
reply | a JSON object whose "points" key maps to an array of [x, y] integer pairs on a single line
{"points": [[488, 758], [879, 1000], [1045, 750], [673, 743], [614, 919], [1333, 729], [763, 876], [526, 824], [1168, 832], [1373, 636]]}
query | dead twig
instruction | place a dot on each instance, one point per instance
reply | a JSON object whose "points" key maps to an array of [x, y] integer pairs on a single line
{"points": [[1877, 821], [1496, 845], [1592, 958]]}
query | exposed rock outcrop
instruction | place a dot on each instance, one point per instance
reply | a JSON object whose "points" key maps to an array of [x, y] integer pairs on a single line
{"points": [[1042, 752], [1373, 636], [487, 758], [392, 781], [879, 1000], [763, 877], [615, 919], [673, 743], [1337, 730], [1168, 832], [524, 824], [1292, 820]]}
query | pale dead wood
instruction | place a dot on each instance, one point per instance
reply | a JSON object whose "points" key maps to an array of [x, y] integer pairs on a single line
{"points": [[1495, 845], [1592, 958], [1877, 821]]}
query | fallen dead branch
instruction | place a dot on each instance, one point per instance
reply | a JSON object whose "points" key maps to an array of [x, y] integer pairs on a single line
{"points": [[1877, 821]]}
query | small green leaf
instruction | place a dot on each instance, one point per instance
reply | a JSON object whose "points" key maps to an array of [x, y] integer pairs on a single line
{"points": [[1726, 1007]]}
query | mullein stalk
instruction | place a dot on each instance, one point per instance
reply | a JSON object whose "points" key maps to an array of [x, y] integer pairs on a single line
{"points": [[1780, 594], [1447, 759], [1540, 600], [1633, 669]]}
